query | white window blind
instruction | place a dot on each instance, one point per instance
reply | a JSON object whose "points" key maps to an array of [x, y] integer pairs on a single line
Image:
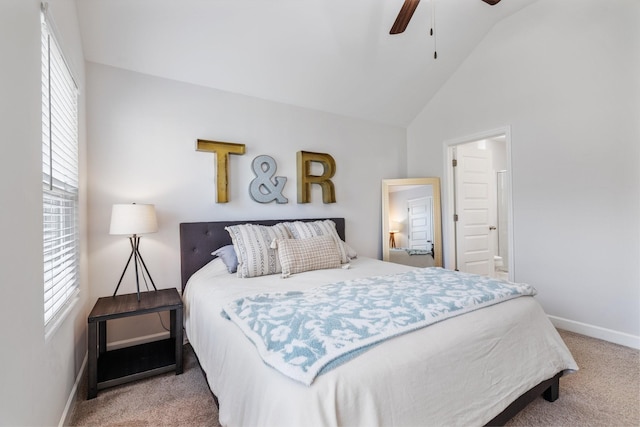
{"points": [[59, 177]]}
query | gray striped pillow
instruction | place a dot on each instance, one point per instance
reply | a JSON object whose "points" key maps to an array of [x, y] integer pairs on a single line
{"points": [[252, 244]]}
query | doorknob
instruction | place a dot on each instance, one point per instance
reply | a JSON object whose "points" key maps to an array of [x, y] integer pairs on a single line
{"points": [[492, 227]]}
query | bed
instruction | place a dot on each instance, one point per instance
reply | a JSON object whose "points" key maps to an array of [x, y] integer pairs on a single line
{"points": [[478, 368], [412, 257]]}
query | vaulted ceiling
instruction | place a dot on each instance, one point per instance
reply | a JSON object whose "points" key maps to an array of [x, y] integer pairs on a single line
{"points": [[330, 55]]}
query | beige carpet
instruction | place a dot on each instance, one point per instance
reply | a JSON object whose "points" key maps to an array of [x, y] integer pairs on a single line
{"points": [[163, 400], [605, 392]]}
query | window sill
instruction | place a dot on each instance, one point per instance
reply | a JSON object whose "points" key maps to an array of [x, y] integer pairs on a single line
{"points": [[55, 323]]}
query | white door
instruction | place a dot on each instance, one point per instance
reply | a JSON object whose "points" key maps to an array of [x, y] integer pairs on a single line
{"points": [[420, 223], [474, 209]]}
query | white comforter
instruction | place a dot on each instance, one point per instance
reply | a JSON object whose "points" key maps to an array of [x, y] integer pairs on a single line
{"points": [[462, 371]]}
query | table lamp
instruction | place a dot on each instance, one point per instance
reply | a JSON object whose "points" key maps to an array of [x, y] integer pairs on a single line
{"points": [[394, 227], [132, 220]]}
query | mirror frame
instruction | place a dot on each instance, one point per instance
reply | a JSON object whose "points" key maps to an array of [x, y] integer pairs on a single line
{"points": [[437, 214]]}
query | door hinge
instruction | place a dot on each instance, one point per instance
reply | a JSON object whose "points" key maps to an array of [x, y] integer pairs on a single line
{"points": [[454, 162], [455, 217]]}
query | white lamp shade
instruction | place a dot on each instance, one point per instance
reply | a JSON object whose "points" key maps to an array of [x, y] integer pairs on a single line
{"points": [[394, 227], [132, 219]]}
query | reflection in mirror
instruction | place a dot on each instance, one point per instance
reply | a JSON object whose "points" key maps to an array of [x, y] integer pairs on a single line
{"points": [[411, 223]]}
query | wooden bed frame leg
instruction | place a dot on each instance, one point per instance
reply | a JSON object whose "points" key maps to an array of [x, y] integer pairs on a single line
{"points": [[550, 390], [553, 392]]}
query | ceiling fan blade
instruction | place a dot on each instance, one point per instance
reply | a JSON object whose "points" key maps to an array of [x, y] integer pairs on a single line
{"points": [[491, 2], [406, 12]]}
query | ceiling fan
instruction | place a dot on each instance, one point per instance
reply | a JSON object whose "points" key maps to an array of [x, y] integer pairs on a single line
{"points": [[406, 12]]}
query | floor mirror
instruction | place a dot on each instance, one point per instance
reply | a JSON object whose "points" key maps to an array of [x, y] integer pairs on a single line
{"points": [[411, 222]]}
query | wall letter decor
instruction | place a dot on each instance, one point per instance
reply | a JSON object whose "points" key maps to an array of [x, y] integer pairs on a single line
{"points": [[305, 179], [222, 151], [264, 167]]}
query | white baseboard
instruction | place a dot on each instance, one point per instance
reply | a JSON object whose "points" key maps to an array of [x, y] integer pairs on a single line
{"points": [[68, 409], [610, 335], [135, 341]]}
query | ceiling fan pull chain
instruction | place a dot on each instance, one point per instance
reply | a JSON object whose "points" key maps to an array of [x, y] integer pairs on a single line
{"points": [[433, 26]]}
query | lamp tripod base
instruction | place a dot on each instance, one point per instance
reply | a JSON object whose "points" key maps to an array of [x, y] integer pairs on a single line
{"points": [[140, 266]]}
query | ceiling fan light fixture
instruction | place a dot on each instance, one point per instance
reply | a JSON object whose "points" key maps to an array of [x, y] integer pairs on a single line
{"points": [[491, 2]]}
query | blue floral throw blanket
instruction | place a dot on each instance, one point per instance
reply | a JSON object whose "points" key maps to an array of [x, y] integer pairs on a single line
{"points": [[300, 333]]}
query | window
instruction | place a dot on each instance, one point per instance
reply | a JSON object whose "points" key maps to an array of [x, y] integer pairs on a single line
{"points": [[59, 178]]}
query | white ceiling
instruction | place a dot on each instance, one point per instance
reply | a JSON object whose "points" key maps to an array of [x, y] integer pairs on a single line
{"points": [[329, 55]]}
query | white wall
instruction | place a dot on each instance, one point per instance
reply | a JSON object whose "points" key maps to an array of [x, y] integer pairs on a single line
{"points": [[37, 375], [142, 133], [564, 76]]}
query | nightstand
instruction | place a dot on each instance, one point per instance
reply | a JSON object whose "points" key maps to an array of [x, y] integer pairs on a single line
{"points": [[114, 367]]}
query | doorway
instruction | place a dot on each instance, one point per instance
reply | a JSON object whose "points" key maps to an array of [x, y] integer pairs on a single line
{"points": [[480, 223], [420, 221]]}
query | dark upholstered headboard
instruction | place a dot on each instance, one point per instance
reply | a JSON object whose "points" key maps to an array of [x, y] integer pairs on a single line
{"points": [[199, 239]]}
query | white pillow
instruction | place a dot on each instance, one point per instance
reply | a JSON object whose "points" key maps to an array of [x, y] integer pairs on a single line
{"points": [[314, 253], [304, 230], [252, 244], [351, 253]]}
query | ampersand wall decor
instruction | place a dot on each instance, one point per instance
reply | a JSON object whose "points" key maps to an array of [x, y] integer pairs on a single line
{"points": [[262, 189]]}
